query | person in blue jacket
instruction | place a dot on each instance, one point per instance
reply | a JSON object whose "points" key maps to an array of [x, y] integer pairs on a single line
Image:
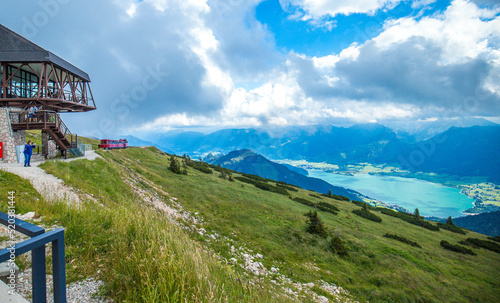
{"points": [[28, 151]]}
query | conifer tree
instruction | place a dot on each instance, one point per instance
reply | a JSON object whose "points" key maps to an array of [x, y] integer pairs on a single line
{"points": [[449, 221], [174, 165], [315, 225], [365, 206], [417, 214], [329, 193]]}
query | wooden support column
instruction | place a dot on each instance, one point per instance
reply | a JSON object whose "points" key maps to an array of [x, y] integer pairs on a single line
{"points": [[45, 144]]}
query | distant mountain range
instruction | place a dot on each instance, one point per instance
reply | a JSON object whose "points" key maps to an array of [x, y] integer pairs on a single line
{"points": [[423, 130], [463, 151], [318, 143], [248, 162], [472, 151]]}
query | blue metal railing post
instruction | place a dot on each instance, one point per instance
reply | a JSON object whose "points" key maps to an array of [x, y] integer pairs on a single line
{"points": [[59, 269], [38, 275], [39, 238]]}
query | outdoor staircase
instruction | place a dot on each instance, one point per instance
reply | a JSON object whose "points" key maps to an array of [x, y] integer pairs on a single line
{"points": [[53, 125], [58, 136]]}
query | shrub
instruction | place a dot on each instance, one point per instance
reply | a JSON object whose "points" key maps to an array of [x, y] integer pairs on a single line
{"points": [[285, 186], [328, 207], [204, 169], [246, 180], [315, 196], [263, 186], [358, 203], [341, 198], [271, 188], [402, 239], [390, 212], [198, 165], [495, 238], [279, 190], [412, 219], [475, 242], [452, 228], [457, 248], [255, 177], [423, 223], [336, 197], [315, 225], [367, 215], [362, 204], [304, 201], [337, 245], [292, 185]]}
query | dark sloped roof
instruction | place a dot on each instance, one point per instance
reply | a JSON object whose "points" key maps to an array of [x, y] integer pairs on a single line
{"points": [[16, 48]]}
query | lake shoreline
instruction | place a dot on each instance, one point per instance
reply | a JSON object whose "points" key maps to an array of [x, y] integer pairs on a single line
{"points": [[485, 194], [433, 200]]}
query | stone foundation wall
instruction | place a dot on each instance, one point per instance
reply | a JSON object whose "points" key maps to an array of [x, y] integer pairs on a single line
{"points": [[49, 147], [8, 138], [20, 137]]}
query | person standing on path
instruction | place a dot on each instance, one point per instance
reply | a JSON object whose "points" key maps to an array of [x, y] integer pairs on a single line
{"points": [[28, 151]]}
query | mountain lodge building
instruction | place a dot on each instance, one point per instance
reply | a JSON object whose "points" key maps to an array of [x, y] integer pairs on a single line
{"points": [[36, 86]]}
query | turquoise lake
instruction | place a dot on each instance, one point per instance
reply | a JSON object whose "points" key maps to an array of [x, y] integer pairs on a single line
{"points": [[431, 199]]}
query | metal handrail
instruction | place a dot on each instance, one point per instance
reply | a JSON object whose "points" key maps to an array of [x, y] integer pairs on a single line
{"points": [[33, 116], [39, 238], [23, 91], [40, 116]]}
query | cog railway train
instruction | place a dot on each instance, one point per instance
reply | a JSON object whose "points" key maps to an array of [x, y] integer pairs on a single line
{"points": [[113, 144]]}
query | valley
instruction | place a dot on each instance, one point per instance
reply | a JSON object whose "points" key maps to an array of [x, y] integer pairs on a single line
{"points": [[485, 195]]}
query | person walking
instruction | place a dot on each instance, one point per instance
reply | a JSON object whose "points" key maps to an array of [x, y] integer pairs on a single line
{"points": [[28, 151]]}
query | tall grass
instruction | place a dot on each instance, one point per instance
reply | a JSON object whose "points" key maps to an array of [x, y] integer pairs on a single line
{"points": [[141, 254]]}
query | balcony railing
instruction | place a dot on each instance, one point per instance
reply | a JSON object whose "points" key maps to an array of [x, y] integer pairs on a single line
{"points": [[35, 117], [40, 119], [36, 244], [18, 91]]}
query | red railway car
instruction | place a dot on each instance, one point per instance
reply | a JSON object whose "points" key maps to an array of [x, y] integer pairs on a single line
{"points": [[112, 144]]}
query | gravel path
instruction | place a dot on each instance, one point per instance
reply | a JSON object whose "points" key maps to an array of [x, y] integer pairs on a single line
{"points": [[50, 187]]}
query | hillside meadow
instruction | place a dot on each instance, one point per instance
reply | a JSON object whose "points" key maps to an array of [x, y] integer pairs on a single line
{"points": [[123, 235]]}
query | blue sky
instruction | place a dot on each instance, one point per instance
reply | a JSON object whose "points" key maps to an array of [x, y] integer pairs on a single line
{"points": [[331, 34], [158, 65]]}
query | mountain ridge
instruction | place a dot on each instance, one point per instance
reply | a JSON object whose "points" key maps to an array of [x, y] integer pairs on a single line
{"points": [[371, 143], [469, 151], [248, 162]]}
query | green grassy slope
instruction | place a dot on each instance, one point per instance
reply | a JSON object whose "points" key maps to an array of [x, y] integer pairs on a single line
{"points": [[241, 218], [141, 254]]}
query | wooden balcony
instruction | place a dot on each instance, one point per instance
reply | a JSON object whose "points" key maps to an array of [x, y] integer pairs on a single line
{"points": [[23, 85], [33, 76], [48, 121]]}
